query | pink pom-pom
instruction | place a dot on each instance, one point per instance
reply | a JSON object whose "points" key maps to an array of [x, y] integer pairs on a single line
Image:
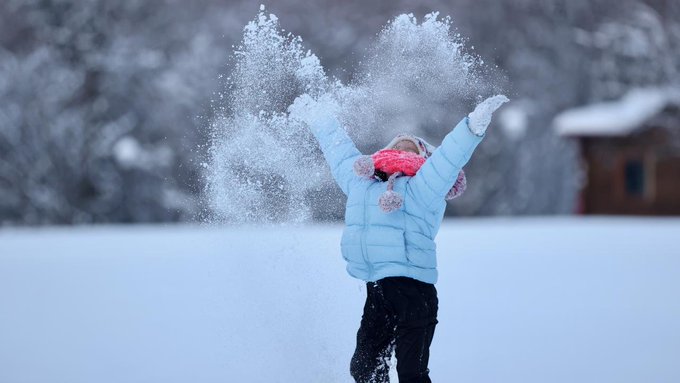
{"points": [[364, 167], [390, 201], [458, 187]]}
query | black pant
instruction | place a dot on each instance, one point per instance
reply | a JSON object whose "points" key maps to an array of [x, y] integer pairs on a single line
{"points": [[400, 314]]}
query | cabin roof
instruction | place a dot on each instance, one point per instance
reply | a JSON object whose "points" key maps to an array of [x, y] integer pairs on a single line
{"points": [[618, 117]]}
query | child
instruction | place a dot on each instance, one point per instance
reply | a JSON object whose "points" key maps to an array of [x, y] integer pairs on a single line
{"points": [[388, 240]]}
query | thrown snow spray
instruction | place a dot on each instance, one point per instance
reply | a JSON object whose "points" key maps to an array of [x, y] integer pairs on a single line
{"points": [[262, 163], [415, 77], [266, 167]]}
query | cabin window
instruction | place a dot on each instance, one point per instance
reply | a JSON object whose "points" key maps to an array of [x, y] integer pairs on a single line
{"points": [[635, 178]]}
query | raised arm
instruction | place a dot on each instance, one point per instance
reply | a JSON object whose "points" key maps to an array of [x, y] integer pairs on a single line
{"points": [[438, 174], [338, 149]]}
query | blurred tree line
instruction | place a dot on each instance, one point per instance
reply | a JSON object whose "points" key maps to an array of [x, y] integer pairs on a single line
{"points": [[104, 106]]}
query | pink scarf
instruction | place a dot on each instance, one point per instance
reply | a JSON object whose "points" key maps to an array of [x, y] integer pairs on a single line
{"points": [[392, 161]]}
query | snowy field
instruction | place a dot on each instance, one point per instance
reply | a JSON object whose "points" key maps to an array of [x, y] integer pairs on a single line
{"points": [[521, 301]]}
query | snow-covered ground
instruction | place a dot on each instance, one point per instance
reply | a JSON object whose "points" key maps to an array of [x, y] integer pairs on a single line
{"points": [[533, 300]]}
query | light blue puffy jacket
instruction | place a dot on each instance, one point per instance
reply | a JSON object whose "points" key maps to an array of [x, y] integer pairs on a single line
{"points": [[376, 244]]}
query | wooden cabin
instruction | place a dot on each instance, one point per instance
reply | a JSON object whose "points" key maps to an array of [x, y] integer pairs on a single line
{"points": [[630, 151]]}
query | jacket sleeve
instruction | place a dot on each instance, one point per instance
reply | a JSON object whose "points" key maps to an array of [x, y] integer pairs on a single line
{"points": [[338, 149], [438, 174]]}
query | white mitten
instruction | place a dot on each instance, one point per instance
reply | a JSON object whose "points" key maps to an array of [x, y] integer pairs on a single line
{"points": [[311, 111], [480, 118]]}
